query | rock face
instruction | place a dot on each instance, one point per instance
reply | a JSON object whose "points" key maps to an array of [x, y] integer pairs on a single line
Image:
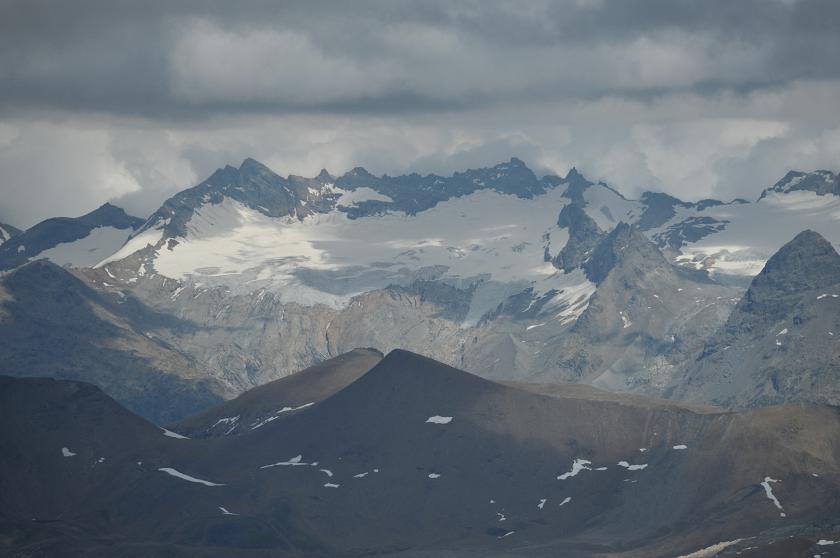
{"points": [[645, 319], [53, 324], [79, 241], [7, 232], [413, 458], [779, 344], [584, 235], [493, 270], [820, 182]]}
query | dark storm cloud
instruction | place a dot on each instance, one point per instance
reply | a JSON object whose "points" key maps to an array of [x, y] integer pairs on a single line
{"points": [[191, 59]]}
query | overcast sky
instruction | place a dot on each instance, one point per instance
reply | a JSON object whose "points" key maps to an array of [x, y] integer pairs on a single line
{"points": [[132, 101]]}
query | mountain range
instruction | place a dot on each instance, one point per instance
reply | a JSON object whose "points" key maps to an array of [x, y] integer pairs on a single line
{"points": [[413, 458], [240, 374], [250, 276]]}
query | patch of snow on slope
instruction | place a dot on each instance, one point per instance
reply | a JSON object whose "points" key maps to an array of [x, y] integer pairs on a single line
{"points": [[578, 465], [607, 208], [4, 234], [437, 419], [298, 408], [171, 434], [66, 452], [680, 447], [768, 490], [225, 511], [625, 320], [565, 501], [629, 467], [188, 478], [296, 461], [149, 237], [711, 551], [434, 475], [231, 422], [85, 252]]}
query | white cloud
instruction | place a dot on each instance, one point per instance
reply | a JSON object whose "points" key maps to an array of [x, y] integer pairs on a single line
{"points": [[686, 144]]}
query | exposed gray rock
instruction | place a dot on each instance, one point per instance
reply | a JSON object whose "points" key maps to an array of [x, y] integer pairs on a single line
{"points": [[821, 182], [646, 318], [781, 343], [53, 324], [7, 232], [584, 235]]}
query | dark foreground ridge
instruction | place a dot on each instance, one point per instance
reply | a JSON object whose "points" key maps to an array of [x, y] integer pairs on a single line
{"points": [[412, 458]]}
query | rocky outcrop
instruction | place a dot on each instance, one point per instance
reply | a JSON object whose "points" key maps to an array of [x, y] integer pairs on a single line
{"points": [[584, 235], [778, 345], [821, 182]]}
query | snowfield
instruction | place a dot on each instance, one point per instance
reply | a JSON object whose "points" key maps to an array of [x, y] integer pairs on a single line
{"points": [[487, 239]]}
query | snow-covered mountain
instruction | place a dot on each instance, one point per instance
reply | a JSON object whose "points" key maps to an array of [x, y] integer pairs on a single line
{"points": [[334, 240], [489, 270], [328, 239], [74, 241]]}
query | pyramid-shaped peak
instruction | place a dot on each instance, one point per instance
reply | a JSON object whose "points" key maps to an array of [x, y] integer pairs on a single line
{"points": [[411, 371], [624, 244], [252, 166], [807, 262], [359, 171]]}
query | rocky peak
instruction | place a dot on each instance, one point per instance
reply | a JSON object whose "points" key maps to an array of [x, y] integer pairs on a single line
{"points": [[805, 263], [659, 207], [251, 168], [7, 232], [109, 215], [584, 236], [821, 182], [625, 245], [576, 185], [356, 178], [324, 177]]}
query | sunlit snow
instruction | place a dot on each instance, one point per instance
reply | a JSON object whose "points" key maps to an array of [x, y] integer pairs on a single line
{"points": [[171, 434], [486, 238], [768, 490], [87, 251], [577, 466], [182, 476], [629, 467]]}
